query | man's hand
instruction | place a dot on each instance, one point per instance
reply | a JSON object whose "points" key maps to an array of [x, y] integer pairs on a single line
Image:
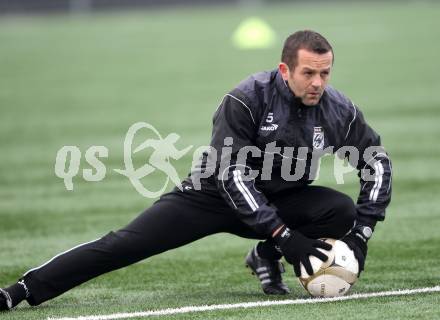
{"points": [[297, 248], [357, 241]]}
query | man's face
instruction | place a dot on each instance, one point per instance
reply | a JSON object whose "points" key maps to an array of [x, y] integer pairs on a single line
{"points": [[310, 75]]}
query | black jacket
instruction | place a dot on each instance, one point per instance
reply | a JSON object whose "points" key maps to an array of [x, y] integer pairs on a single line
{"points": [[262, 112]]}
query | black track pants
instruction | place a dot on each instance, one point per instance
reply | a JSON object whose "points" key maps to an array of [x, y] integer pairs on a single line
{"points": [[179, 218]]}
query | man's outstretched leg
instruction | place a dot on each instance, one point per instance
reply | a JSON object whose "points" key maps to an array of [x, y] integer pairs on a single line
{"points": [[11, 296], [315, 212], [173, 221]]}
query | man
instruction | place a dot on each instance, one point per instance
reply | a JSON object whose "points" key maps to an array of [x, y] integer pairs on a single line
{"points": [[285, 120]]}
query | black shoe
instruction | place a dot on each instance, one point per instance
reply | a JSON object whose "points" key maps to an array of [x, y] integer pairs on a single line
{"points": [[5, 300], [268, 272]]}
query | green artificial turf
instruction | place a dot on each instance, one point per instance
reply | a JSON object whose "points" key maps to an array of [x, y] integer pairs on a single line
{"points": [[84, 80]]}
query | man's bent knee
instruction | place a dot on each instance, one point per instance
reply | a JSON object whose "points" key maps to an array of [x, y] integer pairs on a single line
{"points": [[344, 214]]}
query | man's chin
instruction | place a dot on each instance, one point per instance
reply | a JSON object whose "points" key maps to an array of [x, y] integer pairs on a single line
{"points": [[310, 102]]}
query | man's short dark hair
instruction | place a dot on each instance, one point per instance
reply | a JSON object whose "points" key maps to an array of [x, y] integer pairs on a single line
{"points": [[305, 39]]}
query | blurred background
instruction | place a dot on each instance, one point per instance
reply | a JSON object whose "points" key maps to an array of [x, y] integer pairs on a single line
{"points": [[81, 72], [45, 6]]}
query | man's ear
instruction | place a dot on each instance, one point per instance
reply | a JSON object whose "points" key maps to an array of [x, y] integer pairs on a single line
{"points": [[284, 70]]}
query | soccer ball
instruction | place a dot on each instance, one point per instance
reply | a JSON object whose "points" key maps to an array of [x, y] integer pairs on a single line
{"points": [[334, 277]]}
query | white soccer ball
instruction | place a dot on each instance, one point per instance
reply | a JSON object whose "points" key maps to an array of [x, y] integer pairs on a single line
{"points": [[334, 277]]}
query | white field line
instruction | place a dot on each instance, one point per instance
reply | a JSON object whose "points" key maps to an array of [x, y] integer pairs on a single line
{"points": [[245, 305]]}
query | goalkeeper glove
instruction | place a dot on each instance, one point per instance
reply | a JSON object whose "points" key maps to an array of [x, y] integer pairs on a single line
{"points": [[357, 241], [297, 248]]}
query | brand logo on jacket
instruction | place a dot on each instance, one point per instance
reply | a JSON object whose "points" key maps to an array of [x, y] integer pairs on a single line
{"points": [[318, 138], [272, 127]]}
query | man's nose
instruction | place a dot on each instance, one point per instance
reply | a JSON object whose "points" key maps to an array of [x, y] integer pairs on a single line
{"points": [[317, 82]]}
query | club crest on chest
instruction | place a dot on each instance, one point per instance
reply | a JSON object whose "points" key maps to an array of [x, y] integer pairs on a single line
{"points": [[318, 138]]}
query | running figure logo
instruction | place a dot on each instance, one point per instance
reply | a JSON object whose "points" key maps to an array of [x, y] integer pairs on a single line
{"points": [[163, 150]]}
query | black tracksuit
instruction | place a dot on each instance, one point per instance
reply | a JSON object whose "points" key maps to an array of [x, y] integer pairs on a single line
{"points": [[261, 112]]}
